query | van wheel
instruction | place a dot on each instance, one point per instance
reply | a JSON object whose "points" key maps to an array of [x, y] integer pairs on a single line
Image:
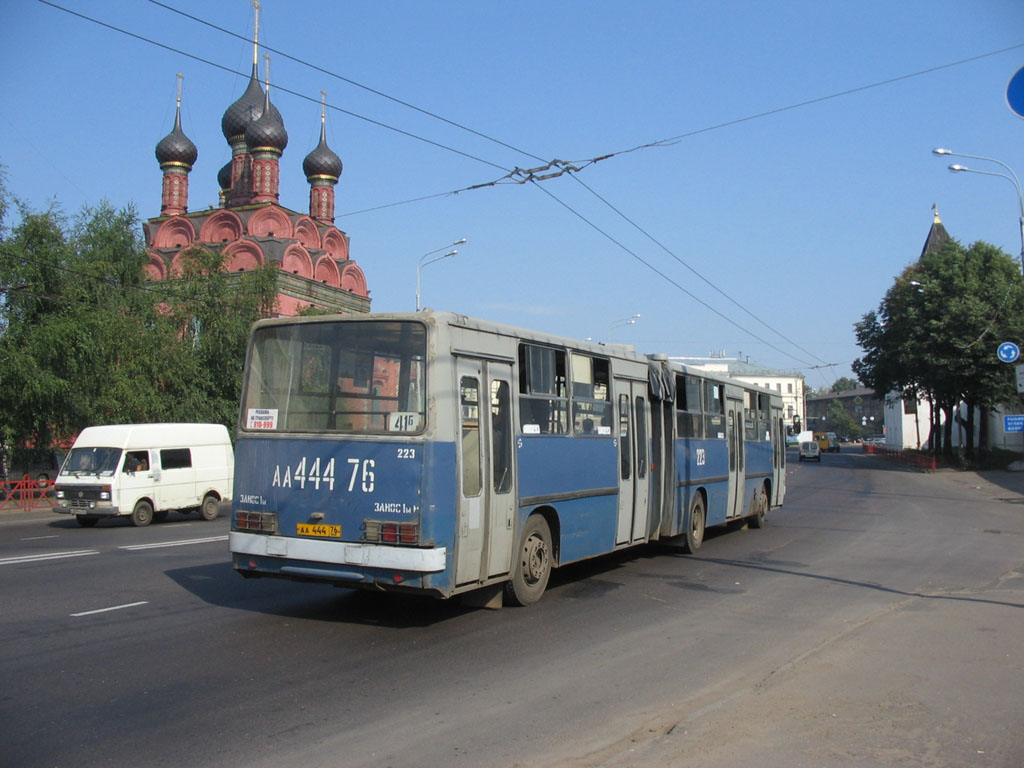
{"points": [[531, 568], [87, 521], [210, 508], [695, 526], [142, 514], [759, 509]]}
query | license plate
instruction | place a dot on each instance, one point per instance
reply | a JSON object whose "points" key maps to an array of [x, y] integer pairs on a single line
{"points": [[319, 531]]}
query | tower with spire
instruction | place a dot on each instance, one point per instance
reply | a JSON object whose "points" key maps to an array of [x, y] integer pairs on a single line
{"points": [[249, 225]]}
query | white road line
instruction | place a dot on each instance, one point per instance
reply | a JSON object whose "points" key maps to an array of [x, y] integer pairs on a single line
{"points": [[48, 556], [37, 538], [182, 543], [112, 608]]}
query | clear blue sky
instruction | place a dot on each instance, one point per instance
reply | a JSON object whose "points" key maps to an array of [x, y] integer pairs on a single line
{"points": [[804, 216]]}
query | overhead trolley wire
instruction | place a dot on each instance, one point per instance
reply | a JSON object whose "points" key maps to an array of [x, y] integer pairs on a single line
{"points": [[277, 87], [354, 83]]}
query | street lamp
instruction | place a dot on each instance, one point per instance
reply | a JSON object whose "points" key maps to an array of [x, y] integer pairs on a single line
{"points": [[620, 323], [423, 264], [1012, 178]]}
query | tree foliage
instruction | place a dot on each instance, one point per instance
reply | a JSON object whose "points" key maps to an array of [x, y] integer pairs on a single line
{"points": [[935, 333], [84, 339]]}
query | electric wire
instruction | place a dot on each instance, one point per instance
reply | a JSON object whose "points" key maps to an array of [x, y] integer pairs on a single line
{"points": [[663, 276], [535, 175], [342, 78], [277, 87]]}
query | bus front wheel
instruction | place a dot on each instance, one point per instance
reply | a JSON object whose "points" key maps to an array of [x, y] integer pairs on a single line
{"points": [[532, 567], [695, 526]]}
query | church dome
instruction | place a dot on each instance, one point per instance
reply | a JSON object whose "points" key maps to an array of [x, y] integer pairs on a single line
{"points": [[176, 147], [322, 161], [267, 130], [224, 176], [245, 111]]}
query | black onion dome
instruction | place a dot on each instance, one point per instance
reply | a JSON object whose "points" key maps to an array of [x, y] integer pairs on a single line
{"points": [[176, 147], [244, 111], [224, 176], [267, 130], [322, 161]]}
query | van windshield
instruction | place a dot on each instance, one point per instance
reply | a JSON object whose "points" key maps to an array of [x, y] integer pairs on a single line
{"points": [[101, 462], [358, 377]]}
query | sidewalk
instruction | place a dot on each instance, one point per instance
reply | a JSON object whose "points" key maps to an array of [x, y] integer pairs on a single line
{"points": [[994, 484]]}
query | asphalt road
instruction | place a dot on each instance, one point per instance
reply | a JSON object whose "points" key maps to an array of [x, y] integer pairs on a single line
{"points": [[877, 621]]}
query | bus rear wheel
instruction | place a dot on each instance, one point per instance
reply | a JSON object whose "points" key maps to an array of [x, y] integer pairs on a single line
{"points": [[532, 567], [695, 526], [759, 509]]}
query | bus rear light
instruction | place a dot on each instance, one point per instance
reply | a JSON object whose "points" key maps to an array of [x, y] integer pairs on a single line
{"points": [[257, 522], [391, 533]]}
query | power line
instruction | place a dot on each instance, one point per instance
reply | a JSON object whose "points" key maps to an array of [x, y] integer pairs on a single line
{"points": [[344, 79], [277, 87], [665, 277]]}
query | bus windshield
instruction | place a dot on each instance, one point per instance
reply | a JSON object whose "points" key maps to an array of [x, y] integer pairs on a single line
{"points": [[336, 376]]}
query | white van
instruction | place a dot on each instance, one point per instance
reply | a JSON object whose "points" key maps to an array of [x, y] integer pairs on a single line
{"points": [[146, 471]]}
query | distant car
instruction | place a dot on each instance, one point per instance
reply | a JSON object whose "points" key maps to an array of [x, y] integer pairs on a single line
{"points": [[874, 440], [810, 450]]}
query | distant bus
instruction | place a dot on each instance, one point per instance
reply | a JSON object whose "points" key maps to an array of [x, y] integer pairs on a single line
{"points": [[436, 453]]}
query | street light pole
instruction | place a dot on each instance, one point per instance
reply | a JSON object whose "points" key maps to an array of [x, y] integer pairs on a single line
{"points": [[1012, 178], [421, 264], [619, 323]]}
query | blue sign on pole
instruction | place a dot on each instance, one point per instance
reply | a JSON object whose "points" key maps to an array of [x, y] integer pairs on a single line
{"points": [[1015, 93], [1013, 423], [1008, 352]]}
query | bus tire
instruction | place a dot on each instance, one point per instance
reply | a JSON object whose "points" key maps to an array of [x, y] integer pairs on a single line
{"points": [[142, 515], [210, 508], [695, 525], [87, 521], [759, 508], [532, 567]]}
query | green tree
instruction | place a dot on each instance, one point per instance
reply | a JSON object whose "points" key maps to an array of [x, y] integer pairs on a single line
{"points": [[845, 384], [934, 334], [84, 339]]}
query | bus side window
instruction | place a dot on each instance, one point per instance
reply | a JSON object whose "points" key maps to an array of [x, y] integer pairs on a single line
{"points": [[469, 389]]}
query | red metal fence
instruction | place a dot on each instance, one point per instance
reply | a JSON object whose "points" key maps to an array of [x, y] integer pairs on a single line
{"points": [[911, 458], [25, 494]]}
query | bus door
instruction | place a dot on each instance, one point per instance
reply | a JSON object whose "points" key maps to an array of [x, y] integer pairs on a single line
{"points": [[779, 452], [485, 471], [631, 408], [734, 436]]}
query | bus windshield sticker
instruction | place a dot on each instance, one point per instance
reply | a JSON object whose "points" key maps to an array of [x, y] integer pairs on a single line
{"points": [[604, 430], [262, 418], [531, 429], [403, 421]]}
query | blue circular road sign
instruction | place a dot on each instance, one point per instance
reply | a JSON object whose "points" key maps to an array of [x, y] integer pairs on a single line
{"points": [[1008, 352], [1015, 93]]}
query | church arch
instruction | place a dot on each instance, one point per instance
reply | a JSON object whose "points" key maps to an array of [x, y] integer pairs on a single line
{"points": [[221, 227]]}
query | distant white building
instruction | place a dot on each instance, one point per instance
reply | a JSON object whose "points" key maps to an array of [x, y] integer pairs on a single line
{"points": [[789, 384]]}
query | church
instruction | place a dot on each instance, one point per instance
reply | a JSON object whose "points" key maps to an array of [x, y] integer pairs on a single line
{"points": [[250, 226]]}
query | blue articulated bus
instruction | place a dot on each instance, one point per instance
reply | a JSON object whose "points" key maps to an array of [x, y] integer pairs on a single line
{"points": [[437, 453]]}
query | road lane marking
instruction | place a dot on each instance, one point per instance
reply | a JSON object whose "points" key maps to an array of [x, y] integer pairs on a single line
{"points": [[182, 543], [37, 538], [111, 608], [47, 556]]}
